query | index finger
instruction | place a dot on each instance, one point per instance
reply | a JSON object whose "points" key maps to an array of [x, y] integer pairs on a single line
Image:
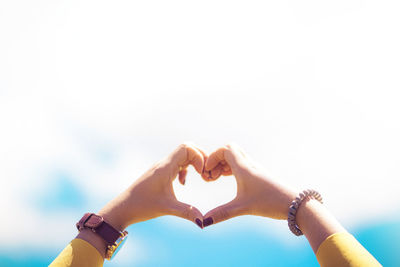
{"points": [[196, 157], [215, 158]]}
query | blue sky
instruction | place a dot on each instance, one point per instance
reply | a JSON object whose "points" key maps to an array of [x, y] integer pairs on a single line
{"points": [[92, 93], [171, 242]]}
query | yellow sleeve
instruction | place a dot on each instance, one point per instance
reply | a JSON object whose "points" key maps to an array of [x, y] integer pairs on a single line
{"points": [[342, 249], [78, 253]]}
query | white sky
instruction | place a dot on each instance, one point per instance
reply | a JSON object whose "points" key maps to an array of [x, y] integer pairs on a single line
{"points": [[309, 89]]}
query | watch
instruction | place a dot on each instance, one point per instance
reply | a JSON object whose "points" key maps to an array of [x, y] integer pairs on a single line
{"points": [[114, 239]]}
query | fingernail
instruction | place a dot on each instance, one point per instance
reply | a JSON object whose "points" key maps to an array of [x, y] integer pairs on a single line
{"points": [[199, 223], [208, 221]]}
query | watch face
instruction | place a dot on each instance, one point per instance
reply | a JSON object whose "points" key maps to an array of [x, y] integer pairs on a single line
{"points": [[119, 243]]}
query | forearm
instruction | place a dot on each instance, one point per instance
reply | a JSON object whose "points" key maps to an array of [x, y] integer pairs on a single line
{"points": [[316, 223], [113, 214]]}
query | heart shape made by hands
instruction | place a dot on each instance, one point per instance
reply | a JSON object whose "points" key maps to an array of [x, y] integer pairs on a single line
{"points": [[205, 195]]}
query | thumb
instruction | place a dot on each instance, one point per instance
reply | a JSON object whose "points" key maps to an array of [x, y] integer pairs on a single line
{"points": [[187, 212], [223, 213]]}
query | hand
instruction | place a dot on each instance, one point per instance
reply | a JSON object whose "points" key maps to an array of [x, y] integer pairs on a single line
{"points": [[257, 194], [152, 195]]}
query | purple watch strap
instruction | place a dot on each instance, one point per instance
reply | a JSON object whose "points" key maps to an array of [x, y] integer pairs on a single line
{"points": [[97, 224]]}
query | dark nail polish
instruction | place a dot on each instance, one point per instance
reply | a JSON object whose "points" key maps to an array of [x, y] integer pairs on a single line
{"points": [[199, 223], [208, 221]]}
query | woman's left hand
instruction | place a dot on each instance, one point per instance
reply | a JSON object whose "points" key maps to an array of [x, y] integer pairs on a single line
{"points": [[152, 195]]}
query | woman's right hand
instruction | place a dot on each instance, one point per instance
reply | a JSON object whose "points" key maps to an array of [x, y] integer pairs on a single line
{"points": [[257, 193]]}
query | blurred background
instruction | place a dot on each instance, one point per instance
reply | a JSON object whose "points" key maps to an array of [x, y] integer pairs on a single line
{"points": [[92, 93]]}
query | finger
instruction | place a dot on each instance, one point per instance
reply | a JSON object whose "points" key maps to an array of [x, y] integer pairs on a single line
{"points": [[215, 158], [216, 172], [226, 173], [195, 157], [187, 212], [235, 157], [226, 167], [205, 175], [182, 176], [223, 213], [205, 156]]}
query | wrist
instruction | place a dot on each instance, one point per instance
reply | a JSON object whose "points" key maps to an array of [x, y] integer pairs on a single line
{"points": [[277, 205], [117, 212], [94, 229], [113, 219], [307, 213]]}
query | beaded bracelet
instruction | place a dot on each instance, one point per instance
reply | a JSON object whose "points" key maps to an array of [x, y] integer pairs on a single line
{"points": [[309, 193]]}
